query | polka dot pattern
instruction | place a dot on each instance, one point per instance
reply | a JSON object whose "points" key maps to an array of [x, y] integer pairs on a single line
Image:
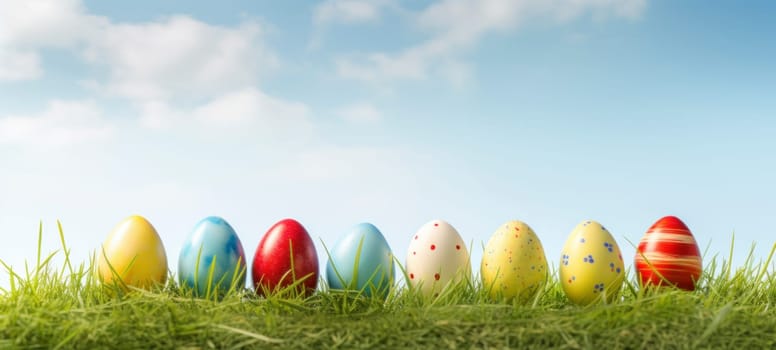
{"points": [[513, 264], [437, 256], [591, 264]]}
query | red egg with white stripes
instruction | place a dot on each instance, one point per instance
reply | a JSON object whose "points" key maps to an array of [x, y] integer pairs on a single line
{"points": [[668, 255], [436, 257]]}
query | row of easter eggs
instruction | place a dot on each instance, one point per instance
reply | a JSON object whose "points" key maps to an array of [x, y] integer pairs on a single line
{"points": [[513, 263]]}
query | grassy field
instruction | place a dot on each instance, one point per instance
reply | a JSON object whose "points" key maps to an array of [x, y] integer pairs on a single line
{"points": [[50, 306]]}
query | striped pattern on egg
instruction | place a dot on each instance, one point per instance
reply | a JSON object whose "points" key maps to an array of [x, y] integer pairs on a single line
{"points": [[668, 250]]}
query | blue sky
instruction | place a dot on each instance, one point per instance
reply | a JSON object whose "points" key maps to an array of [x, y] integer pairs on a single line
{"points": [[386, 111]]}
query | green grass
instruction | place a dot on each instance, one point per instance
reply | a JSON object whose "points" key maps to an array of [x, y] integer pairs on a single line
{"points": [[64, 307]]}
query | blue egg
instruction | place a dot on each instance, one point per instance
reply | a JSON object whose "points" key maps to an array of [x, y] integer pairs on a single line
{"points": [[218, 248], [374, 273]]}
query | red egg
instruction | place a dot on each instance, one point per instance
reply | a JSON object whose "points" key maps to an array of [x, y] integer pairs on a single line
{"points": [[287, 244], [671, 252]]}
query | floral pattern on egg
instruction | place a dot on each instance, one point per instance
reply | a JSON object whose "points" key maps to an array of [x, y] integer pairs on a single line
{"points": [[591, 264]]}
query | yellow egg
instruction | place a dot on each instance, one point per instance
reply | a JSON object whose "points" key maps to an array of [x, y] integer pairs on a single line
{"points": [[134, 253], [513, 264], [591, 264]]}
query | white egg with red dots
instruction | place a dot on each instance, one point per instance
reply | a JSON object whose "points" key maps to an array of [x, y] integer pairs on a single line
{"points": [[436, 257]]}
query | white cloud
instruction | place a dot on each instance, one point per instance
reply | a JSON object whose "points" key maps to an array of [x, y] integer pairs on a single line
{"points": [[456, 25], [345, 12], [176, 56], [159, 115], [179, 57], [251, 107], [377, 67], [459, 74], [177, 71], [468, 20], [19, 65], [63, 123], [28, 26], [45, 23], [348, 11], [601, 9], [343, 163], [247, 110], [362, 112]]}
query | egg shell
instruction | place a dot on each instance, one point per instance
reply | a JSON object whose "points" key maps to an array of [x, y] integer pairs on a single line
{"points": [[135, 253], [374, 273], [591, 264], [285, 244], [513, 263], [436, 256], [671, 252], [217, 246]]}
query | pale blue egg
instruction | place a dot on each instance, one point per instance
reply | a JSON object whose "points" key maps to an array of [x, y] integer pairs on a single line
{"points": [[217, 246], [373, 273]]}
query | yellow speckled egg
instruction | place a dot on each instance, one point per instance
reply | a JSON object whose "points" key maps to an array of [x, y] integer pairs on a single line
{"points": [[591, 264], [136, 254], [513, 264]]}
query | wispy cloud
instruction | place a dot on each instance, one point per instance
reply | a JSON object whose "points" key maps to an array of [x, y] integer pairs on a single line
{"points": [[176, 55], [63, 123], [26, 27], [328, 163], [362, 112], [179, 57], [454, 26], [19, 65], [174, 71], [238, 112], [251, 107], [348, 11]]}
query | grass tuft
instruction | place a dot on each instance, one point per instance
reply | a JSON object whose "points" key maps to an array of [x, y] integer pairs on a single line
{"points": [[67, 307]]}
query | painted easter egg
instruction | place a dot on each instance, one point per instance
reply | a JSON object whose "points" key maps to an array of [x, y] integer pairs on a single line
{"points": [[436, 256], [513, 264], [212, 260], [285, 256], [591, 264], [132, 255], [362, 261], [670, 251]]}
